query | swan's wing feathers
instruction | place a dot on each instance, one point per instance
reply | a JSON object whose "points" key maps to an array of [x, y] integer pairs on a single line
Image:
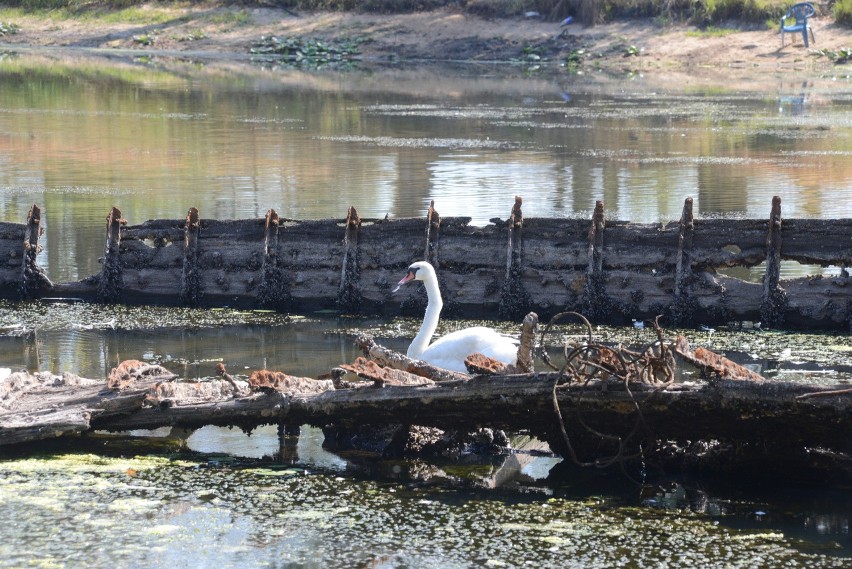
{"points": [[453, 348]]}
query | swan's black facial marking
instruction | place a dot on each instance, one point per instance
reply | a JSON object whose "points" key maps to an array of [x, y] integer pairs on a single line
{"points": [[409, 276]]}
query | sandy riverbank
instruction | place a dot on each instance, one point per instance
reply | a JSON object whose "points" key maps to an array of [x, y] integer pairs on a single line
{"points": [[441, 35]]}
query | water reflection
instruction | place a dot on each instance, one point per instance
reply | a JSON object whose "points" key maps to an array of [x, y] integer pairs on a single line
{"points": [[81, 136]]}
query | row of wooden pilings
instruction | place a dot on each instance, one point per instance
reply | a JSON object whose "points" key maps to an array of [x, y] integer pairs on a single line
{"points": [[274, 287]]}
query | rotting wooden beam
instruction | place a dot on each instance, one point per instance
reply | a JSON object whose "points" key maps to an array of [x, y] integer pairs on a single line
{"points": [[627, 270], [273, 291], [768, 413], [33, 279], [595, 301], [382, 376], [395, 360], [433, 228], [110, 280], [684, 303], [514, 299], [349, 292], [190, 283], [774, 296], [713, 365]]}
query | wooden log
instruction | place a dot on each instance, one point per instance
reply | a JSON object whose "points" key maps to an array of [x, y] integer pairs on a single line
{"points": [[786, 418], [34, 281], [279, 381], [773, 414], [526, 348], [190, 282], [514, 299], [349, 292], [433, 228], [684, 307], [382, 376], [395, 360], [774, 297], [596, 303], [615, 272], [130, 372], [712, 365], [274, 290], [110, 282], [42, 406]]}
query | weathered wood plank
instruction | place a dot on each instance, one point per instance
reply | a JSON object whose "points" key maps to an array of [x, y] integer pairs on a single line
{"points": [[622, 271]]}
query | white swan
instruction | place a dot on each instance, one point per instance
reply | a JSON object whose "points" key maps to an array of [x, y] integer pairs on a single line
{"points": [[449, 351]]}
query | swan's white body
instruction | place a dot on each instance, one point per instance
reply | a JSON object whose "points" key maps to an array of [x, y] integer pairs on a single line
{"points": [[450, 351]]}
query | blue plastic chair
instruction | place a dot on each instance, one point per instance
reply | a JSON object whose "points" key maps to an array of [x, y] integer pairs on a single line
{"points": [[800, 13]]}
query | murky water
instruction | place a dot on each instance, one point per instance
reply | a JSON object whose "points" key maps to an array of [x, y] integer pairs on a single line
{"points": [[157, 137]]}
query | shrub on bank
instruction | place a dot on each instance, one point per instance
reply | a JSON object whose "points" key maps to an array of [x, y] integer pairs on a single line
{"points": [[843, 12]]}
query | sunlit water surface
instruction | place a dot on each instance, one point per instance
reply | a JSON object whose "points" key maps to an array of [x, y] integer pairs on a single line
{"points": [[157, 137]]}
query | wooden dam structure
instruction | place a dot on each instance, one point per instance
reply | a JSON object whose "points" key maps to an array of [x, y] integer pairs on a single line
{"points": [[612, 271]]}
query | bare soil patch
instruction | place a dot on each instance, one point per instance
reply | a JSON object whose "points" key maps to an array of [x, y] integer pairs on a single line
{"points": [[440, 35]]}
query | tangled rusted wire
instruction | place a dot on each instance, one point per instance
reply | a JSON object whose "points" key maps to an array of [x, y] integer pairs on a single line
{"points": [[587, 360]]}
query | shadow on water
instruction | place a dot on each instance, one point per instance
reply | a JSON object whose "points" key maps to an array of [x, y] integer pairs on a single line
{"points": [[556, 505]]}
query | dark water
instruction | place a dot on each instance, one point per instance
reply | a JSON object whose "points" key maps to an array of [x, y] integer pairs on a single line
{"points": [[154, 138]]}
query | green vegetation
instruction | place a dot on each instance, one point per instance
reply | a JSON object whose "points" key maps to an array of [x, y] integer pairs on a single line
{"points": [[310, 52], [103, 11], [193, 36], [711, 31], [144, 39], [230, 18], [843, 12], [8, 28], [837, 56]]}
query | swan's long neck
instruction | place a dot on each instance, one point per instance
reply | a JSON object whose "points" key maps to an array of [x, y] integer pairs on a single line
{"points": [[430, 319]]}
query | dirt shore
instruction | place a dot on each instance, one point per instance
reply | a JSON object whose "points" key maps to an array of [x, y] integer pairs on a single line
{"points": [[441, 35]]}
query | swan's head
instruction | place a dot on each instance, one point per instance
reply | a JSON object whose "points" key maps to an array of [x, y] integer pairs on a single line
{"points": [[418, 271]]}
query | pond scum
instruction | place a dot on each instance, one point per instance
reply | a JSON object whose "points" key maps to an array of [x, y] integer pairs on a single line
{"points": [[197, 511]]}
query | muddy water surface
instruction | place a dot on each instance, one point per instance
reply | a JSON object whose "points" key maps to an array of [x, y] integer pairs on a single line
{"points": [[155, 137]]}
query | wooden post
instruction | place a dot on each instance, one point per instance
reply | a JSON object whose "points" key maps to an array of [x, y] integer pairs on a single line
{"points": [[526, 351], [110, 280], [273, 290], [190, 284], [433, 226], [684, 304], [774, 297], [33, 278], [596, 304], [349, 293], [514, 300]]}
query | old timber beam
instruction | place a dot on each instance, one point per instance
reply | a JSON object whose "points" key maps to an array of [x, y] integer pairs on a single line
{"points": [[782, 417], [33, 279], [613, 271]]}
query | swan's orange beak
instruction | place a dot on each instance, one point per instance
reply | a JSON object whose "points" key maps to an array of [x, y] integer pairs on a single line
{"points": [[406, 279]]}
